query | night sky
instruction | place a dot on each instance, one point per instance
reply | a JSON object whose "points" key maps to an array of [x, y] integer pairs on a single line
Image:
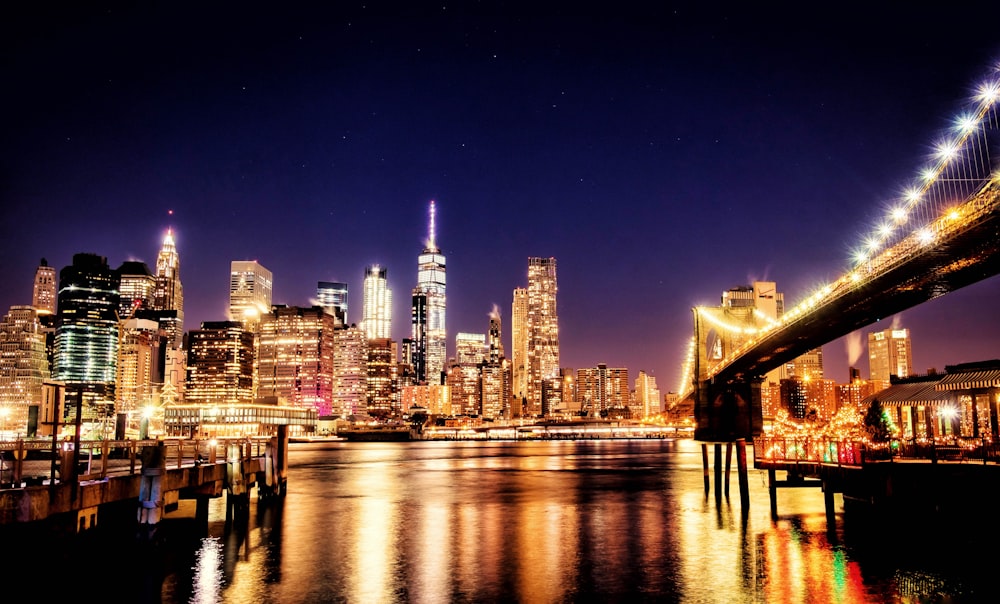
{"points": [[661, 156]]}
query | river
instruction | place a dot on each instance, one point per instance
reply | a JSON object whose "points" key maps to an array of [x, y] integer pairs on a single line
{"points": [[533, 522]]}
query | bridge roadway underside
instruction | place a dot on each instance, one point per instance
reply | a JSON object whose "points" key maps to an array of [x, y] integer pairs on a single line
{"points": [[966, 258]]}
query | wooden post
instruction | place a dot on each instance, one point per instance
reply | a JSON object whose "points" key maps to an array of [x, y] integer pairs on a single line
{"points": [[718, 470], [704, 465], [772, 489], [154, 466], [729, 458], [741, 468]]}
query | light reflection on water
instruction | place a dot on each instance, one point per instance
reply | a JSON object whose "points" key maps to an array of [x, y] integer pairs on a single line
{"points": [[548, 522]]}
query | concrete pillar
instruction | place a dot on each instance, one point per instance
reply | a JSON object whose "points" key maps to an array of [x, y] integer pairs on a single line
{"points": [[741, 468], [729, 458], [154, 467], [704, 465], [718, 471]]}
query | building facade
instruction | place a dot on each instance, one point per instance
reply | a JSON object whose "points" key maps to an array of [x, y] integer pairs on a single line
{"points": [[250, 286], [24, 368], [169, 294], [377, 304], [542, 362], [431, 335], [43, 296], [295, 351], [220, 364], [889, 354], [332, 296]]}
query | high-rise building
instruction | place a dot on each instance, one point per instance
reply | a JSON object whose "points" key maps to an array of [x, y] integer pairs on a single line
{"points": [[24, 367], [249, 292], [377, 304], [417, 353], [220, 364], [542, 360], [137, 288], [647, 395], [381, 378], [141, 361], [470, 348], [332, 296], [169, 295], [86, 340], [295, 356], [431, 335], [43, 297], [495, 337], [519, 343], [350, 372], [889, 353], [601, 388]]}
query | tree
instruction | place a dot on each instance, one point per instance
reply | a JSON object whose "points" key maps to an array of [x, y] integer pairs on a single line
{"points": [[876, 423]]}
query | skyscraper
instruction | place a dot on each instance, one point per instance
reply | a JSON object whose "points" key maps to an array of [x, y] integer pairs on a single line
{"points": [[43, 297], [377, 316], [431, 336], [417, 352], [140, 367], [889, 353], [519, 342], [137, 289], [647, 395], [86, 341], [350, 372], [332, 296], [295, 356], [169, 295], [542, 361], [249, 292], [24, 366], [220, 364]]}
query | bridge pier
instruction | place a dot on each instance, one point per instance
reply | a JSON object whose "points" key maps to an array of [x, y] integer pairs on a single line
{"points": [[151, 495], [722, 479]]}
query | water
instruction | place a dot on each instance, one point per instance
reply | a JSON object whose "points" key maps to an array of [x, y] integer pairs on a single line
{"points": [[550, 521]]}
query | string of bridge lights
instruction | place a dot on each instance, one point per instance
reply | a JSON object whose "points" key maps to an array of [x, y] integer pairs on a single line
{"points": [[875, 252]]}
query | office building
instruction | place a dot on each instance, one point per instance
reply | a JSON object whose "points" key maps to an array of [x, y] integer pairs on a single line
{"points": [[250, 287], [295, 351], [43, 297], [380, 382], [542, 361], [220, 364], [24, 368], [169, 294], [647, 396], [137, 288], [429, 325], [519, 344], [602, 388], [889, 353], [377, 304], [350, 372], [141, 362], [332, 296], [415, 348]]}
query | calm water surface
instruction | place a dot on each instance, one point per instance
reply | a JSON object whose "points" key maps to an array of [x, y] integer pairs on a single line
{"points": [[552, 521]]}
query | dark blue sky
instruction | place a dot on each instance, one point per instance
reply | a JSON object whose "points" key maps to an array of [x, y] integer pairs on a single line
{"points": [[661, 156]]}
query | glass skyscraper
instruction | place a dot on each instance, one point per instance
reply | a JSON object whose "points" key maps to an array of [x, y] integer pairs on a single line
{"points": [[249, 292], [430, 338], [332, 296], [377, 316]]}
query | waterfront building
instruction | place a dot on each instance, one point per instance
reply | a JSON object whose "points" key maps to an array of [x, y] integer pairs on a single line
{"points": [[647, 395], [494, 386], [414, 348], [332, 296], [376, 318], [137, 288], [519, 344], [889, 354], [43, 297], [295, 351], [169, 294], [463, 380], [429, 325], [542, 359], [24, 368], [220, 364], [382, 398], [602, 388], [141, 352], [350, 372], [250, 286], [86, 340]]}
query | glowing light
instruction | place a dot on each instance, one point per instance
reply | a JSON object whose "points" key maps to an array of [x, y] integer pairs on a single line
{"points": [[885, 229], [954, 214], [925, 236], [928, 174], [966, 124], [946, 151], [989, 92], [899, 215]]}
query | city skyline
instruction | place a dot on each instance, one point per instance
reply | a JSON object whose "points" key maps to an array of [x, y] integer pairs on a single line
{"points": [[661, 158]]}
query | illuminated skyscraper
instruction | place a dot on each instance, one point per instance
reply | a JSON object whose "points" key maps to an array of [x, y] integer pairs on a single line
{"points": [[295, 356], [495, 337], [431, 336], [377, 316], [416, 347], [601, 388], [889, 353], [647, 395], [470, 348], [169, 295], [350, 372], [519, 342], [43, 298], [249, 292], [381, 378], [332, 296], [220, 364], [86, 341], [542, 360], [24, 366], [140, 367], [137, 288]]}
